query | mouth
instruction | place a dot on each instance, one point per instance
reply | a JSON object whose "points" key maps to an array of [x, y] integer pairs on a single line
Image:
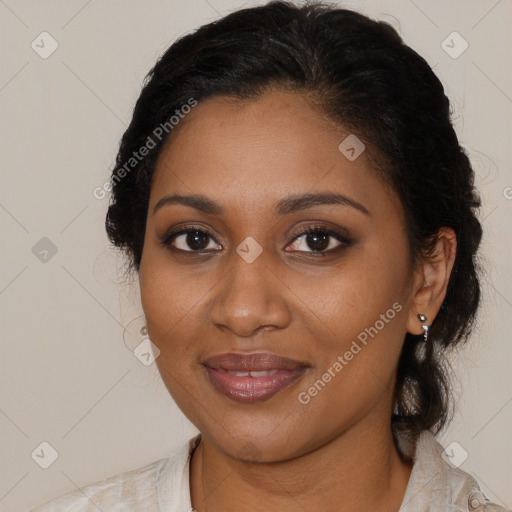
{"points": [[252, 377]]}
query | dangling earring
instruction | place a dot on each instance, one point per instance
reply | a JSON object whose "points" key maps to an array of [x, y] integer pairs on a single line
{"points": [[423, 318]]}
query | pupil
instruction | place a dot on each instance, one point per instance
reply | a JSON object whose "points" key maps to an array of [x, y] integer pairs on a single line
{"points": [[197, 240], [321, 241]]}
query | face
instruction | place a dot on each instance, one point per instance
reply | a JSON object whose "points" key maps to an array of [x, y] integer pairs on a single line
{"points": [[248, 278]]}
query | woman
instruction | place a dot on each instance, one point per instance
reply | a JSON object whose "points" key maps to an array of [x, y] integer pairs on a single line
{"points": [[302, 220]]}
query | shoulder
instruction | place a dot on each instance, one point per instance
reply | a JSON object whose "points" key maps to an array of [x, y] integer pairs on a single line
{"points": [[468, 495], [134, 490], [158, 486], [436, 483]]}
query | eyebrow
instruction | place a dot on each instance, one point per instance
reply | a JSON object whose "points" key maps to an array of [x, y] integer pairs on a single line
{"points": [[283, 207]]}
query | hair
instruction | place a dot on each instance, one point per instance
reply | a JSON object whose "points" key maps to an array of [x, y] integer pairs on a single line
{"points": [[361, 75]]}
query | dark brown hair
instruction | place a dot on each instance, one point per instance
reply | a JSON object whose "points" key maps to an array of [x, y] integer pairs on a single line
{"points": [[362, 76]]}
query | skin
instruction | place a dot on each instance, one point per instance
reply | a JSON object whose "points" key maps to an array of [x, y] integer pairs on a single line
{"points": [[335, 453]]}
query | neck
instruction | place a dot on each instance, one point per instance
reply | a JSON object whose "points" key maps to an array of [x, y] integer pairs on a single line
{"points": [[358, 470]]}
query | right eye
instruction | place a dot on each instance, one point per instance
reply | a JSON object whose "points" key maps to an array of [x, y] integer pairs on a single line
{"points": [[190, 239]]}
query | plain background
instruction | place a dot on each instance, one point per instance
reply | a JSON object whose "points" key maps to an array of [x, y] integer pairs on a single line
{"points": [[69, 324]]}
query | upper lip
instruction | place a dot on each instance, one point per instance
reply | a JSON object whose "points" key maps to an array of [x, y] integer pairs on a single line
{"points": [[257, 361]]}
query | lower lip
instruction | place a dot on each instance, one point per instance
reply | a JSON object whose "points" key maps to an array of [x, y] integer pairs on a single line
{"points": [[253, 389]]}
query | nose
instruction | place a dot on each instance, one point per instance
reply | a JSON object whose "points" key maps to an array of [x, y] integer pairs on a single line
{"points": [[250, 298]]}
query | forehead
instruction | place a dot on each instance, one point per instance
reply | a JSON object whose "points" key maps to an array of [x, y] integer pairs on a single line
{"points": [[259, 151]]}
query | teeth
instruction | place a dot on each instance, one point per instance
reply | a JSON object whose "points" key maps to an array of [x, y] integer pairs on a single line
{"points": [[262, 373]]}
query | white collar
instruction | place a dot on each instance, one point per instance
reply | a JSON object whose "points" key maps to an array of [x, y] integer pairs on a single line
{"points": [[173, 481], [434, 484]]}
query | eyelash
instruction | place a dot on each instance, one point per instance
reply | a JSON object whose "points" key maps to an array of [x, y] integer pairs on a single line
{"points": [[310, 230]]}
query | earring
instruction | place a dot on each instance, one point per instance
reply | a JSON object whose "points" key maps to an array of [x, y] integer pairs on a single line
{"points": [[423, 318]]}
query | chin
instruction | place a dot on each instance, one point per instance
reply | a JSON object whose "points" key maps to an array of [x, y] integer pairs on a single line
{"points": [[258, 439]]}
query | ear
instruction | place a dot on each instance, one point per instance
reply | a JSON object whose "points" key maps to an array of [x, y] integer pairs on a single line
{"points": [[431, 281]]}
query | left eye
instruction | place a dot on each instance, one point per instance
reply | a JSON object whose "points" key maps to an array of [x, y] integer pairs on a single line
{"points": [[319, 240]]}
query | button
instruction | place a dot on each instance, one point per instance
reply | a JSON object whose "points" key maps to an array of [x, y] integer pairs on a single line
{"points": [[474, 500]]}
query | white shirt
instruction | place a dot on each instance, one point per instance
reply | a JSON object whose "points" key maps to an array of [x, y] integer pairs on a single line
{"points": [[163, 486]]}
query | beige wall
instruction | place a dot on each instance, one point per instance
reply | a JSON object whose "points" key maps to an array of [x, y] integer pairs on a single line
{"points": [[67, 377]]}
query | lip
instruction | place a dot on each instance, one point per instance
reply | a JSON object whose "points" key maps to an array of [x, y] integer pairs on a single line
{"points": [[280, 373]]}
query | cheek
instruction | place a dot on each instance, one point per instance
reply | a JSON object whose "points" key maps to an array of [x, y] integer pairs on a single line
{"points": [[168, 290], [358, 313], [171, 300], [342, 304], [170, 295]]}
